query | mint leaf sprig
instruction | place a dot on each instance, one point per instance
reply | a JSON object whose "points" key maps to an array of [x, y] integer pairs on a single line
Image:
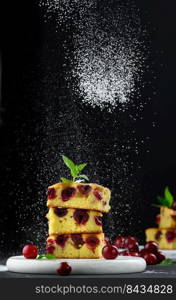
{"points": [[167, 262], [167, 200], [75, 171], [46, 256]]}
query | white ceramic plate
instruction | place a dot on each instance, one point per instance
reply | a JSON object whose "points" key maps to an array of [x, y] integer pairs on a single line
{"points": [[123, 264], [169, 254]]}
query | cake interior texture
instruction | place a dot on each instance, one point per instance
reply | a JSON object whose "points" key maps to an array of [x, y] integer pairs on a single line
{"points": [[75, 212], [71, 220], [76, 245]]}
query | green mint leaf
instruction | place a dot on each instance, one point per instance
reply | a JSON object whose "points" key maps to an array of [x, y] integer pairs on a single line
{"points": [[74, 172], [69, 163], [84, 177], [41, 256], [168, 196], [63, 179], [167, 262], [74, 169], [163, 201], [80, 167], [50, 256]]}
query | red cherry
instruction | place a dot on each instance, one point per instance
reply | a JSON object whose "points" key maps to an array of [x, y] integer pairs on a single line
{"points": [[92, 242], [84, 189], [60, 212], [51, 193], [50, 249], [98, 220], [30, 251], [150, 258], [97, 194], [133, 246], [158, 235], [170, 236], [64, 269], [142, 252], [68, 193], [61, 240], [129, 240], [77, 240], [124, 253], [152, 247], [174, 205], [160, 257], [134, 254], [81, 216], [119, 242], [109, 252]]}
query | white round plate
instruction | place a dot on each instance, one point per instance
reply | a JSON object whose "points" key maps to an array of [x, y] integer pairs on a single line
{"points": [[3, 268], [123, 264], [169, 254]]}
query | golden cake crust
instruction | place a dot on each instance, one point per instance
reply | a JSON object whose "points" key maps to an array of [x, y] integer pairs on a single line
{"points": [[96, 197]]}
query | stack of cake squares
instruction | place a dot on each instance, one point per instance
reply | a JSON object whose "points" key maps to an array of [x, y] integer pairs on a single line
{"points": [[165, 234], [75, 219]]}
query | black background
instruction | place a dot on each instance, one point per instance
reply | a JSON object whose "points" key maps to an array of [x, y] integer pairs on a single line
{"points": [[30, 92]]}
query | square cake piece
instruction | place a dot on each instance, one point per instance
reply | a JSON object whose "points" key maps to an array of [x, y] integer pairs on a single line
{"points": [[70, 220], [167, 218], [164, 237], [152, 234], [76, 245], [79, 195]]}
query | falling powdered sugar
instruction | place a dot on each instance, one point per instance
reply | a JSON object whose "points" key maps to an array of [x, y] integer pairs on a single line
{"points": [[108, 57], [103, 83]]}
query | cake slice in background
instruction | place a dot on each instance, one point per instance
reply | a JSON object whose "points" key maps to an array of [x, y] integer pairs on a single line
{"points": [[164, 237], [167, 217], [165, 234], [152, 234]]}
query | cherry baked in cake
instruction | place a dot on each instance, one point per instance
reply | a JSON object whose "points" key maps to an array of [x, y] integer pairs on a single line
{"points": [[87, 245], [75, 195], [164, 237], [73, 220]]}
